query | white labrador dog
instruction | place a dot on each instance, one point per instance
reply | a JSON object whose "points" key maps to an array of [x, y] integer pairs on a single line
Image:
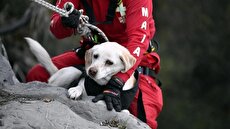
{"points": [[101, 63]]}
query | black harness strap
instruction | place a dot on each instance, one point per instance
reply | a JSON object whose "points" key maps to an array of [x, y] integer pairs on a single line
{"points": [[89, 11], [140, 108], [110, 13]]}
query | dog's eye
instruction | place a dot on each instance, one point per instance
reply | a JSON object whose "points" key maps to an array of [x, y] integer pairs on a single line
{"points": [[108, 62], [95, 56]]}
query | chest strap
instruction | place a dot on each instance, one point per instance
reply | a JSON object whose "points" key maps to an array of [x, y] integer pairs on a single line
{"points": [[110, 13]]}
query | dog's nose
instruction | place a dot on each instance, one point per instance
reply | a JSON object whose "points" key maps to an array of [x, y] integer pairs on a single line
{"points": [[92, 72]]}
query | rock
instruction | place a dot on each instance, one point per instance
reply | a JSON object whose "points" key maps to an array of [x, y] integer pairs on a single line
{"points": [[37, 105]]}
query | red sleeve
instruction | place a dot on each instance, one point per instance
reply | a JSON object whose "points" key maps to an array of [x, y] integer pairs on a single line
{"points": [[140, 29], [56, 27]]}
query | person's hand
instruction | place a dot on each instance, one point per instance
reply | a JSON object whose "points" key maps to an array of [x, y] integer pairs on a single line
{"points": [[111, 95], [111, 98], [72, 21]]}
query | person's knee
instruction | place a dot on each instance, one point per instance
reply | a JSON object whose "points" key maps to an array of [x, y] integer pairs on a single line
{"points": [[37, 73]]}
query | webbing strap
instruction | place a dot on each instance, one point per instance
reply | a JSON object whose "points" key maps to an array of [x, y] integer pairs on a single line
{"points": [[110, 14], [89, 11], [111, 10], [140, 108]]}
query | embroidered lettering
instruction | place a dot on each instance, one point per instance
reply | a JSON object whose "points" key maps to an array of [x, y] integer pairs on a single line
{"points": [[137, 51], [145, 12], [143, 38], [144, 25]]}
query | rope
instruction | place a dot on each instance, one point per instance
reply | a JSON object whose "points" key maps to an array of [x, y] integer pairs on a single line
{"points": [[52, 7], [84, 27]]}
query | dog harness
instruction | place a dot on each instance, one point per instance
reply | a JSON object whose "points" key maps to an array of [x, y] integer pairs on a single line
{"points": [[94, 89]]}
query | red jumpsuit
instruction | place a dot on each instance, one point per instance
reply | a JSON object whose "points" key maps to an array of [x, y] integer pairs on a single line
{"points": [[133, 27]]}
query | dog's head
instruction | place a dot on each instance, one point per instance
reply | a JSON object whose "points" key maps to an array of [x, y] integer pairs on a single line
{"points": [[105, 60]]}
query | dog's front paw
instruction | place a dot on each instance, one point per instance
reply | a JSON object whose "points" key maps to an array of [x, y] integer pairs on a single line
{"points": [[75, 92]]}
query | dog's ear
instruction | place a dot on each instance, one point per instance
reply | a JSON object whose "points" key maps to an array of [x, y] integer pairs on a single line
{"points": [[128, 61], [88, 57]]}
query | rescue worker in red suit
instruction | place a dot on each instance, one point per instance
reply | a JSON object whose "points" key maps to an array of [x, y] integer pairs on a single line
{"points": [[133, 27]]}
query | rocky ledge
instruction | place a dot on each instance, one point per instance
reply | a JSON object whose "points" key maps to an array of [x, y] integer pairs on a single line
{"points": [[37, 105]]}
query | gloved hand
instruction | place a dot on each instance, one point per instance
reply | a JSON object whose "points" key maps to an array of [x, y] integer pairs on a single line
{"points": [[71, 21], [111, 95]]}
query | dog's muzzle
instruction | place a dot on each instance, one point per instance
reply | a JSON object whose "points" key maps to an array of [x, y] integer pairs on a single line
{"points": [[93, 72]]}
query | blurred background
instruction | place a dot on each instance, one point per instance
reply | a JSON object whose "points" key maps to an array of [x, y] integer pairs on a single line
{"points": [[194, 40]]}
